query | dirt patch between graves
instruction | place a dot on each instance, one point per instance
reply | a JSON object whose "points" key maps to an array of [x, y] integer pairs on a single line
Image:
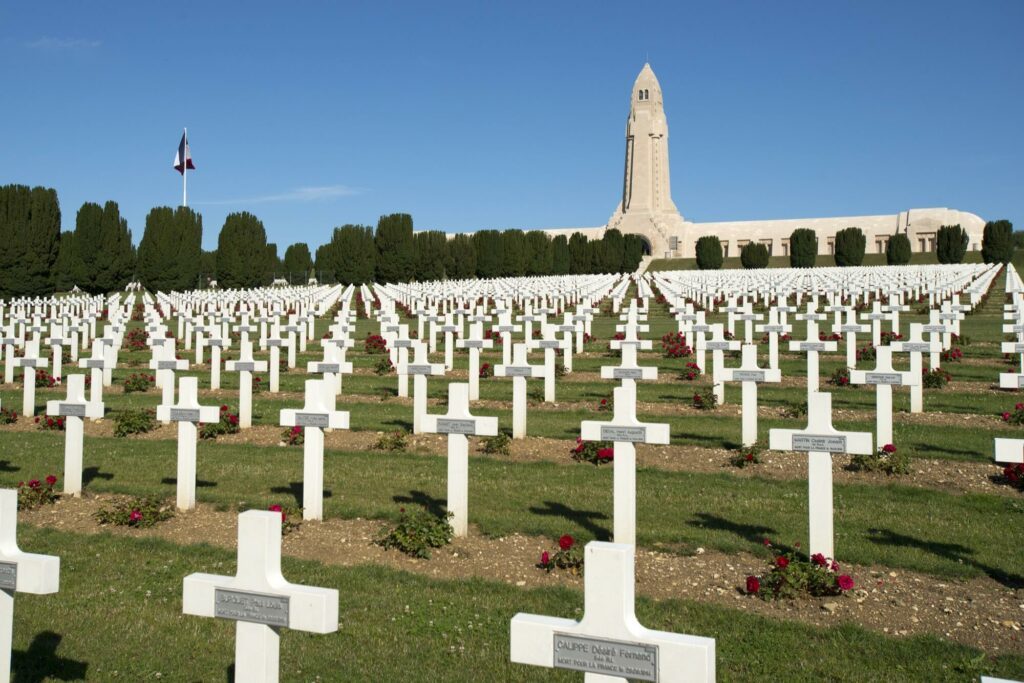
{"points": [[980, 612]]}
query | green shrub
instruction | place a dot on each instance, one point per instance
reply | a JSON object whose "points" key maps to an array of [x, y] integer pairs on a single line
{"points": [[704, 398], [951, 244], [754, 255], [709, 253], [35, 493], [501, 444], [568, 556], [138, 382], [392, 441], [747, 456], [135, 512], [417, 532], [849, 247], [886, 459], [803, 248], [997, 242], [897, 251], [227, 424], [134, 422]]}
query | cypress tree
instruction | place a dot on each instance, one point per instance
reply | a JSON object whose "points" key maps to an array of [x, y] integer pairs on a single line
{"points": [[460, 257], [561, 259], [489, 253], [431, 250], [170, 249], [66, 267], [897, 250], [243, 257], [513, 246], [208, 266], [754, 255], [632, 254], [105, 258], [579, 254], [997, 242], [709, 253], [613, 248], [538, 253], [849, 247], [29, 239], [350, 256], [803, 248], [297, 263], [951, 244], [396, 257]]}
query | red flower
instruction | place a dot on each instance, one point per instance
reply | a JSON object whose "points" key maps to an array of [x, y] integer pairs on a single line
{"points": [[545, 558], [277, 508], [753, 584], [835, 566], [818, 559], [604, 401], [296, 429], [844, 582], [33, 484], [781, 562], [37, 420], [1019, 406], [135, 516], [767, 542], [223, 409], [606, 454], [233, 419], [750, 457], [565, 542], [51, 480], [1006, 417], [888, 448]]}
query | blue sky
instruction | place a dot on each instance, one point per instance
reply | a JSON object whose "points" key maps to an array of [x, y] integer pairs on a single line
{"points": [[485, 114]]}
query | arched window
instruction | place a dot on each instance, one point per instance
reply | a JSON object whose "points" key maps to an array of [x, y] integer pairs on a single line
{"points": [[640, 95], [647, 95]]}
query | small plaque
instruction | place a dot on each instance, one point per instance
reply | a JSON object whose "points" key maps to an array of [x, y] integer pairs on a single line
{"points": [[95, 363], [55, 341], [275, 342], [916, 347], [548, 344], [883, 378], [717, 345], [402, 343], [8, 575], [623, 434], [686, 317], [812, 346], [825, 443], [875, 316], [579, 318], [328, 367], [1020, 381], [527, 318], [1015, 328], [321, 420], [934, 328], [449, 426], [855, 329], [1018, 348], [210, 342], [778, 329], [518, 371], [184, 414], [627, 373], [258, 608], [71, 409], [167, 365], [748, 375], [473, 344], [245, 366], [392, 328], [566, 328], [506, 328], [419, 369], [701, 328], [294, 329]]}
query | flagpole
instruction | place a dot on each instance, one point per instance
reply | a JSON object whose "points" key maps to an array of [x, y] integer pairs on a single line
{"points": [[184, 173]]}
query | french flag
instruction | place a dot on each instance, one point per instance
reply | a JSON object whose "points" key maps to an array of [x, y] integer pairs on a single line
{"points": [[183, 159]]}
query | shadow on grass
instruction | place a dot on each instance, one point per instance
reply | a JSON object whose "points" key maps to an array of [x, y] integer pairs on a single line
{"points": [[200, 483], [921, 448], [401, 424], [701, 439], [582, 518], [950, 551], [294, 488], [435, 506], [40, 662], [89, 474], [755, 533], [5, 466]]}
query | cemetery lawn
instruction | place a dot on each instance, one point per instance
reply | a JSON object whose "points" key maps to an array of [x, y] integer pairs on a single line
{"points": [[118, 617]]}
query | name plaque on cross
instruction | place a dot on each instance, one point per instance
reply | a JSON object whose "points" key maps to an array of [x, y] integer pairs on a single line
{"points": [[167, 365], [518, 371], [1020, 381], [883, 378], [71, 409], [8, 575], [473, 344], [402, 343], [773, 328], [392, 328], [934, 328], [716, 345], [449, 426], [258, 608], [1018, 348], [209, 342], [275, 342], [246, 366], [623, 434], [748, 375], [548, 344], [627, 373], [94, 363], [320, 420], [916, 347], [635, 661], [418, 369], [332, 367], [819, 444], [184, 414], [850, 328], [702, 328], [812, 346]]}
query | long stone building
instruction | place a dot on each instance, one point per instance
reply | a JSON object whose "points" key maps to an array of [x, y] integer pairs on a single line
{"points": [[647, 209]]}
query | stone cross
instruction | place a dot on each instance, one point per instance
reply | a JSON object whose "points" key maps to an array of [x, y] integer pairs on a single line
{"points": [[164, 364], [567, 329], [401, 345], [506, 329], [519, 369], [850, 331], [73, 409], [773, 328], [812, 346], [450, 329], [748, 317], [30, 362], [245, 366], [876, 316], [95, 364], [458, 423], [56, 341], [820, 440], [717, 345], [296, 336], [314, 417], [274, 342], [260, 600], [551, 345], [475, 343], [420, 369], [750, 375], [216, 342], [187, 413], [20, 572], [10, 342], [624, 430], [937, 330], [884, 377], [915, 345], [341, 345], [609, 643]]}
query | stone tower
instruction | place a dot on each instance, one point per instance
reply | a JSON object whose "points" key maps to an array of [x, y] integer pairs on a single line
{"points": [[647, 208]]}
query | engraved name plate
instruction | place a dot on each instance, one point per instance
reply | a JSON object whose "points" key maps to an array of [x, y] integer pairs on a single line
{"points": [[773, 328], [883, 378], [822, 444], [473, 344], [209, 342], [71, 409], [856, 329], [1018, 348], [8, 575], [623, 434], [449, 426], [548, 344], [245, 366], [419, 369], [748, 375], [271, 610], [812, 346], [702, 328], [717, 345], [94, 363], [934, 328], [167, 365], [184, 414], [328, 367], [312, 420], [916, 347], [275, 342], [518, 371], [634, 661], [627, 373], [1020, 381], [506, 328], [402, 343]]}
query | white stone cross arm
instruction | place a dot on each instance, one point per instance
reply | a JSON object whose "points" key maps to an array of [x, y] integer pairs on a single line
{"points": [[609, 640], [820, 436], [314, 413], [76, 404], [258, 592], [1009, 451], [624, 427], [20, 571], [188, 409], [520, 365], [458, 419], [748, 371]]}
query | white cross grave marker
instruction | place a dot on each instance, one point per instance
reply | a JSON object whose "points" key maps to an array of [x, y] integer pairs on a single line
{"points": [[884, 377], [187, 413], [30, 362], [245, 366], [420, 369], [915, 345], [73, 409], [519, 369], [750, 375]]}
